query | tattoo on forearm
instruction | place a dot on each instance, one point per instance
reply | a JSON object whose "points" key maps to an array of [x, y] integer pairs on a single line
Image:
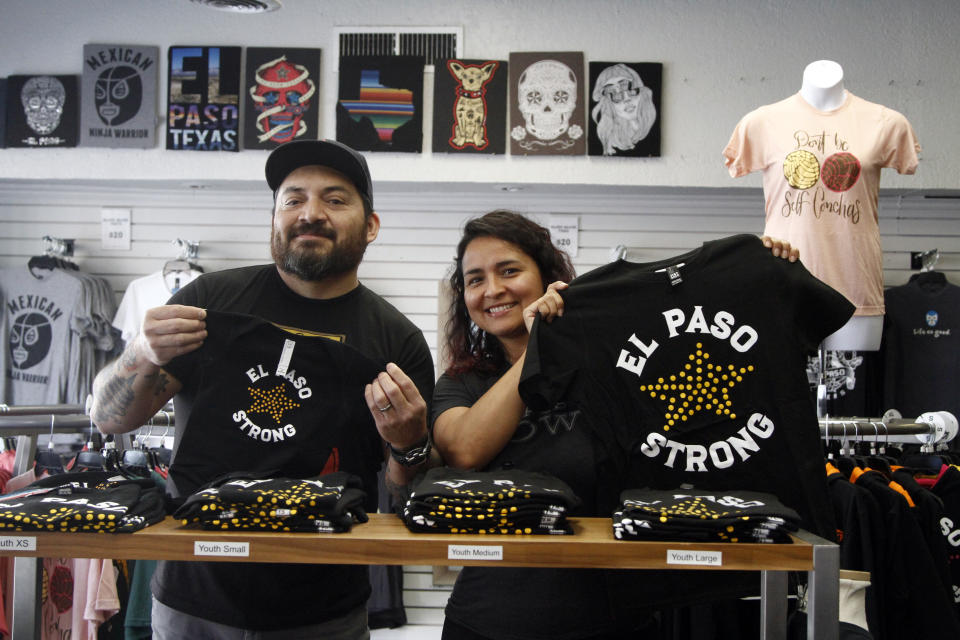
{"points": [[159, 382], [128, 360], [117, 397], [400, 492]]}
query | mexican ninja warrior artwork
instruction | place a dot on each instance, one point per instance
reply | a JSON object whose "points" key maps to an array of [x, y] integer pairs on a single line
{"points": [[203, 112], [547, 117], [42, 111], [469, 106], [119, 96], [281, 101]]}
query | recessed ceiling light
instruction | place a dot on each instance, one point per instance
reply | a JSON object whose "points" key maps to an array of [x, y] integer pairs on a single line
{"points": [[241, 6], [510, 188]]}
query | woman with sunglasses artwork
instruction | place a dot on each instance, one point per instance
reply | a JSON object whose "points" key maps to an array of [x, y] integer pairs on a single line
{"points": [[624, 112]]}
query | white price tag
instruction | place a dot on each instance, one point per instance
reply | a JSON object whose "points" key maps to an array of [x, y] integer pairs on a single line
{"points": [[701, 558], [237, 549], [565, 231], [474, 552], [18, 543], [115, 229]]}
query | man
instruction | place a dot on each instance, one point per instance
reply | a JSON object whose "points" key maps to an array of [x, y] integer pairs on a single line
{"points": [[322, 222]]}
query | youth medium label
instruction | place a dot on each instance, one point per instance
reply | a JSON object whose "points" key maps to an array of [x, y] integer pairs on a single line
{"points": [[474, 552], [699, 558], [18, 543], [232, 549]]}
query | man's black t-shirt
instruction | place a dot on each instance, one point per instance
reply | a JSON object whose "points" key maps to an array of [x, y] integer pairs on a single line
{"points": [[277, 596]]}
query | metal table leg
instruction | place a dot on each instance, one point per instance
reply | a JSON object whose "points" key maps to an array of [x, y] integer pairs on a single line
{"points": [[773, 605], [823, 589]]}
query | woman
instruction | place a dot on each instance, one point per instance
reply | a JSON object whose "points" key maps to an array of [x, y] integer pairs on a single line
{"points": [[506, 272]]}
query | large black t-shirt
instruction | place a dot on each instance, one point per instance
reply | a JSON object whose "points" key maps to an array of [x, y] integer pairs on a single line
{"points": [[276, 596], [695, 367], [692, 371], [523, 603]]}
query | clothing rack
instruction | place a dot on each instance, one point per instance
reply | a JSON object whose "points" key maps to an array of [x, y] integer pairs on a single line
{"points": [[26, 423], [885, 431]]}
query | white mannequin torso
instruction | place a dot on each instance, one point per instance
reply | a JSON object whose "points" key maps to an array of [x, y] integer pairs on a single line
{"points": [[822, 85], [861, 333]]}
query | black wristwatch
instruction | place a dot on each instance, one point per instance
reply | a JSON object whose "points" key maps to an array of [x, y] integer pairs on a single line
{"points": [[415, 455]]}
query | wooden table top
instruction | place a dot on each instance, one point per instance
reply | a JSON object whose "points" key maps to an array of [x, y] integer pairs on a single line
{"points": [[386, 540]]}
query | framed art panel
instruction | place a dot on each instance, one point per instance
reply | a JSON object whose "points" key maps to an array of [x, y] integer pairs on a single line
{"points": [[118, 92], [470, 106], [203, 109], [380, 105], [281, 96], [42, 111], [625, 108], [546, 111]]}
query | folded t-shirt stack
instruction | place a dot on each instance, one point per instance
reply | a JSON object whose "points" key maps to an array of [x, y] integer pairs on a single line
{"points": [[329, 503], [449, 500], [90, 501], [703, 516]]}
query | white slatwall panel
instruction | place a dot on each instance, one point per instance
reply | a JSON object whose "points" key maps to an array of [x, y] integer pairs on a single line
{"points": [[420, 229]]}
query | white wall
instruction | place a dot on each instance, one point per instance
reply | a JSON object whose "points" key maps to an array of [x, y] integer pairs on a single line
{"points": [[721, 59]]}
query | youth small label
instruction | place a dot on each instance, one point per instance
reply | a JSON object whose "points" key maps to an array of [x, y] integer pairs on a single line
{"points": [[233, 549]]}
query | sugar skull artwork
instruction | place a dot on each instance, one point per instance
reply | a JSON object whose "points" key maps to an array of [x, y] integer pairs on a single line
{"points": [[281, 96], [624, 109], [119, 94], [547, 115], [42, 98], [42, 111]]}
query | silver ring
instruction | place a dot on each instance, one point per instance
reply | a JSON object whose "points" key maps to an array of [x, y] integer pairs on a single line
{"points": [[386, 408]]}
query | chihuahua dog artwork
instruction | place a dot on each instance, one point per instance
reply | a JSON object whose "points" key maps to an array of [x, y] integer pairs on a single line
{"points": [[470, 106]]}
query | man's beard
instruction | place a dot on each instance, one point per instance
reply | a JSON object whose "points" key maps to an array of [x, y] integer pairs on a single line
{"points": [[309, 263]]}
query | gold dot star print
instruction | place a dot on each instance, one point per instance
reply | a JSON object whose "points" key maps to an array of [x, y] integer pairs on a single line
{"points": [[271, 401], [700, 386]]}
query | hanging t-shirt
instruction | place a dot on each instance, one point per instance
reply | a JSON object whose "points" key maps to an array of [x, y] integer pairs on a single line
{"points": [[695, 366], [921, 346], [821, 177], [145, 293], [41, 320], [853, 381]]}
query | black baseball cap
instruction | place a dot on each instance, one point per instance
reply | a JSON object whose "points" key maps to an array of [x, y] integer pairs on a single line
{"points": [[328, 153]]}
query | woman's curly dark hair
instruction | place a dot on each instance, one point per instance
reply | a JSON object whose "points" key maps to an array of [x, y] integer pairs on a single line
{"points": [[469, 348]]}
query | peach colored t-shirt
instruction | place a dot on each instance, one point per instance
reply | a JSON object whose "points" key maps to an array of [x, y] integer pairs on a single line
{"points": [[821, 177]]}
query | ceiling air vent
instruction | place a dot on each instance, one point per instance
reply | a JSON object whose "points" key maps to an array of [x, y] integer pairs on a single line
{"points": [[433, 43], [241, 6]]}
